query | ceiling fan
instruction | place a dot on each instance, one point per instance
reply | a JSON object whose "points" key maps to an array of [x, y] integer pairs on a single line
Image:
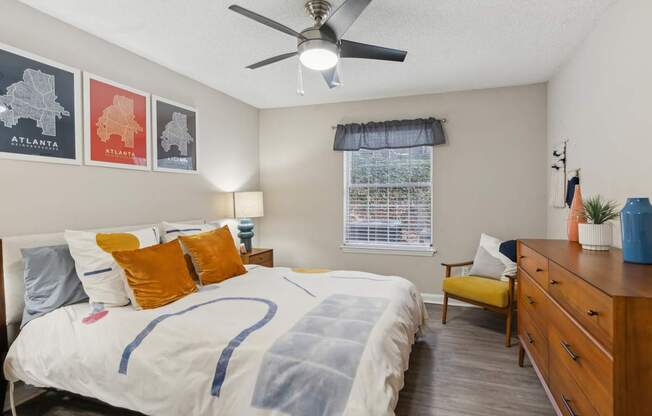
{"points": [[321, 46]]}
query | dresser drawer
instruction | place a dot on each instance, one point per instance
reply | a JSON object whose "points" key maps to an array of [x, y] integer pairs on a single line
{"points": [[264, 259], [533, 339], [569, 397], [532, 299], [534, 264], [588, 305], [577, 357]]}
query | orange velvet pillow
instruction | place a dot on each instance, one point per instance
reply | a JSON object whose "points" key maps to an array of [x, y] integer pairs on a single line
{"points": [[214, 255], [156, 275]]}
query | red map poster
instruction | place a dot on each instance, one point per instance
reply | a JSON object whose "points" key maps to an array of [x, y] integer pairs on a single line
{"points": [[118, 125]]}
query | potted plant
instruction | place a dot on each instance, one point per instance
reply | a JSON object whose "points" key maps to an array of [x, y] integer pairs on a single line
{"points": [[596, 233]]}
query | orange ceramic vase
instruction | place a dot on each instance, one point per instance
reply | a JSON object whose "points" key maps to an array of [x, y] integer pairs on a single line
{"points": [[576, 215]]}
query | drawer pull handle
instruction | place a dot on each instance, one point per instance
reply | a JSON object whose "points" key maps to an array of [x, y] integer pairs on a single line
{"points": [[539, 269], [591, 312], [554, 282], [570, 352], [530, 300], [530, 340], [568, 406], [521, 256]]}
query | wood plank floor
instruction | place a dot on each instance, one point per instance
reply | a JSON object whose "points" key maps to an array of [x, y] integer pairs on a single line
{"points": [[460, 369], [463, 369]]}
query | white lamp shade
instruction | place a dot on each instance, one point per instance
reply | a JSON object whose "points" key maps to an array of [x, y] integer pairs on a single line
{"points": [[248, 204]]}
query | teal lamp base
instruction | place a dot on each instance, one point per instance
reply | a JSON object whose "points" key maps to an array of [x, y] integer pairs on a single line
{"points": [[246, 232]]}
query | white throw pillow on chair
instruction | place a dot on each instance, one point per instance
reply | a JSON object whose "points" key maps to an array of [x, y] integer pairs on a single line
{"points": [[490, 262]]}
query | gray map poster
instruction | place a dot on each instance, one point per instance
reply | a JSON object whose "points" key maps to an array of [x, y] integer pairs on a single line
{"points": [[37, 108], [176, 137]]}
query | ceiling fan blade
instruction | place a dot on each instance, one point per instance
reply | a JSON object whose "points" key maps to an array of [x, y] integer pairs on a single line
{"points": [[271, 60], [332, 77], [342, 18], [349, 49], [266, 21]]}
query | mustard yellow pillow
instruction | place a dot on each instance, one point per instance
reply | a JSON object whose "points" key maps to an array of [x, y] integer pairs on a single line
{"points": [[101, 277], [214, 255], [156, 275]]}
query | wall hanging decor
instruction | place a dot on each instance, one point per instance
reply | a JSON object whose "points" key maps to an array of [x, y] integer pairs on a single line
{"points": [[636, 230], [175, 144], [576, 215], [558, 180], [40, 108], [596, 233], [116, 125]]}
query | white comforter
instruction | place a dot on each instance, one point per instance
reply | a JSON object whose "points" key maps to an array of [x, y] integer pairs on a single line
{"points": [[272, 342]]}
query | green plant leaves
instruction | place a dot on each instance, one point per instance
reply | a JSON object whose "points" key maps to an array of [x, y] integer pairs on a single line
{"points": [[599, 211]]}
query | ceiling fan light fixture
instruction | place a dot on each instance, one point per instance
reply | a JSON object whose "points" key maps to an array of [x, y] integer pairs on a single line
{"points": [[318, 55], [318, 59]]}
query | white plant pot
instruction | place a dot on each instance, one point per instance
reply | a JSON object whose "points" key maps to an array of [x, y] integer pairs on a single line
{"points": [[595, 236]]}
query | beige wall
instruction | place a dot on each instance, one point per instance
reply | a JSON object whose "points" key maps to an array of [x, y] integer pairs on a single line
{"points": [[42, 197], [601, 100], [490, 178]]}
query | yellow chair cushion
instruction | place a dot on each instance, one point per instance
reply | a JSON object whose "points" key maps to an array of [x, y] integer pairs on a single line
{"points": [[480, 289]]}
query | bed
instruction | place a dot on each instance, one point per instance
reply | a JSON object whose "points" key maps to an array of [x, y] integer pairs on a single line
{"points": [[270, 342]]}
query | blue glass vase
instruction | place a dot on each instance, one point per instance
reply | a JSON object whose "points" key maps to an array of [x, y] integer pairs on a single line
{"points": [[636, 230]]}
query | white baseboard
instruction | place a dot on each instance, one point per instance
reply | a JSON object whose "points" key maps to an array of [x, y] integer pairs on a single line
{"points": [[438, 298]]}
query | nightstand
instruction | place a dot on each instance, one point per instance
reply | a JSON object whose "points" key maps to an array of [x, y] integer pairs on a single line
{"points": [[261, 256]]}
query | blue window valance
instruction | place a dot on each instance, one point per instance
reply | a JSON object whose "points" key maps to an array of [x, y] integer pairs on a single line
{"points": [[393, 134]]}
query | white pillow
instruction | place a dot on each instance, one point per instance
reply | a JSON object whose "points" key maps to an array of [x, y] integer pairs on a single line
{"points": [[171, 231], [490, 262], [103, 280]]}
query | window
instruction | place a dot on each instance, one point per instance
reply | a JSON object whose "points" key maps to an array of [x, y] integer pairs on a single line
{"points": [[388, 199]]}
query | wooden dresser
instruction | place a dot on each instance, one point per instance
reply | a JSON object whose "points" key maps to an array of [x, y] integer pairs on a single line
{"points": [[585, 322]]}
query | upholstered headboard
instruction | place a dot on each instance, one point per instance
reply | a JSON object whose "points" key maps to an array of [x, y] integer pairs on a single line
{"points": [[12, 284]]}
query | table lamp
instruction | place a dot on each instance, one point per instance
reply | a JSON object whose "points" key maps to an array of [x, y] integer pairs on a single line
{"points": [[247, 205]]}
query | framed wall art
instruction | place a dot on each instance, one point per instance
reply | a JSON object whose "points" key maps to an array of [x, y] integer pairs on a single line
{"points": [[40, 108], [175, 141], [116, 125]]}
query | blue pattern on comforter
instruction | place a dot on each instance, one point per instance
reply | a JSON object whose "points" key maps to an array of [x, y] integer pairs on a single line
{"points": [[225, 356], [310, 370]]}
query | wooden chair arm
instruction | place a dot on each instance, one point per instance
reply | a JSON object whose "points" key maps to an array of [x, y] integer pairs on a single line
{"points": [[449, 266], [464, 263]]}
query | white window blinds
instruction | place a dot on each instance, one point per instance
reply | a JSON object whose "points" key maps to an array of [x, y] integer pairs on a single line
{"points": [[388, 198]]}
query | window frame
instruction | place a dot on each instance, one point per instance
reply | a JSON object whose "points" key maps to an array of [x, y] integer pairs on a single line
{"points": [[386, 248]]}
